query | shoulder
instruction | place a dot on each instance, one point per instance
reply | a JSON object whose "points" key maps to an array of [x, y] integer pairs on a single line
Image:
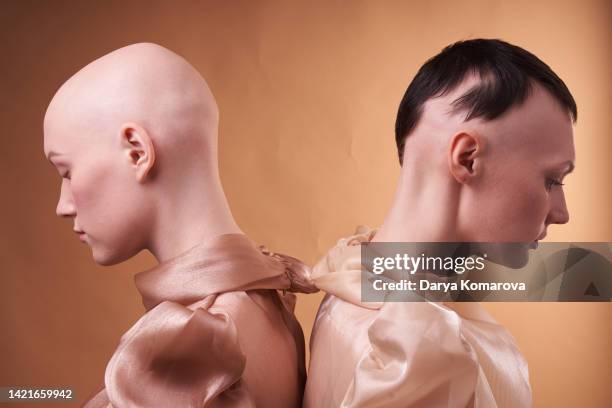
{"points": [[172, 341]]}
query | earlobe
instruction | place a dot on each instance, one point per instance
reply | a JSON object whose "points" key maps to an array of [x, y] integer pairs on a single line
{"points": [[138, 146], [464, 156]]}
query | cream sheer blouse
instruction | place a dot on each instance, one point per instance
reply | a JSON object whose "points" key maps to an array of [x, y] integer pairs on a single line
{"points": [[394, 354]]}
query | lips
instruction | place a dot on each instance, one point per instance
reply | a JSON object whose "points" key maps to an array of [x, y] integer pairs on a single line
{"points": [[80, 233], [535, 243]]}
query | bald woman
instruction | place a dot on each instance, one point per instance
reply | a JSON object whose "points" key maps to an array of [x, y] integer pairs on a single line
{"points": [[134, 137]]}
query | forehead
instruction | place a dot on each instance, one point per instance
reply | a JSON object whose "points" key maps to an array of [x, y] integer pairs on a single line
{"points": [[52, 136], [61, 122]]}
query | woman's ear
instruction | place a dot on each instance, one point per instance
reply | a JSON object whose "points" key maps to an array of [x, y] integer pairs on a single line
{"points": [[465, 156], [139, 149]]}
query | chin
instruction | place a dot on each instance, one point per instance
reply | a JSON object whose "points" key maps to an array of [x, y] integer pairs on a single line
{"points": [[516, 255], [109, 257]]}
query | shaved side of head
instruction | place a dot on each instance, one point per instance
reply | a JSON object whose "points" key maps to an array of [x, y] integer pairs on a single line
{"points": [[507, 77], [485, 139]]}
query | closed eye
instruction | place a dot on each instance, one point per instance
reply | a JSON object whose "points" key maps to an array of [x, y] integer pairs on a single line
{"points": [[550, 183]]}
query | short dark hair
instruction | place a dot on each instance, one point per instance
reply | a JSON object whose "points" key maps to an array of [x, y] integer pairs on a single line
{"points": [[507, 72]]}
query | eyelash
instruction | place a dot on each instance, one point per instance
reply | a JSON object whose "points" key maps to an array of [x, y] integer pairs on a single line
{"points": [[66, 175], [552, 182]]}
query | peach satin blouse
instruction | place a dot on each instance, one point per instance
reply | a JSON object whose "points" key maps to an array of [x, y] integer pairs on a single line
{"points": [[219, 331]]}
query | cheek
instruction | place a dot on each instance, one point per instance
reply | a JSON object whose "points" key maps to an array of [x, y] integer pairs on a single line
{"points": [[96, 194], [87, 190], [532, 204], [523, 208], [510, 207], [110, 209]]}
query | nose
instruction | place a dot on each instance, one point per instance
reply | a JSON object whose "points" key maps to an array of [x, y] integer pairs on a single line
{"points": [[65, 205], [558, 213]]}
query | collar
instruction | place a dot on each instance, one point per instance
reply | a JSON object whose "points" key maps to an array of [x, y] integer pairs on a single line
{"points": [[339, 274], [225, 263]]}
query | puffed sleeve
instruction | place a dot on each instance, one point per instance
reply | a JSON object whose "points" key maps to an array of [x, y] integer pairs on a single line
{"points": [[417, 357], [178, 356]]}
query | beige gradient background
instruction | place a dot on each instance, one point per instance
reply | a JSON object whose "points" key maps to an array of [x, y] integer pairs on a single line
{"points": [[308, 93]]}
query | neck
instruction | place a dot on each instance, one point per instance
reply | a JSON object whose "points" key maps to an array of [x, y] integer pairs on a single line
{"points": [[197, 214], [422, 211]]}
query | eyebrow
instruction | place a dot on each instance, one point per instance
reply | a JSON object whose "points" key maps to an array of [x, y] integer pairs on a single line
{"points": [[570, 166], [53, 154]]}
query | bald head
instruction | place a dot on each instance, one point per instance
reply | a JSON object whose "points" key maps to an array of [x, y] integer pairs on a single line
{"points": [[134, 137], [144, 84]]}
